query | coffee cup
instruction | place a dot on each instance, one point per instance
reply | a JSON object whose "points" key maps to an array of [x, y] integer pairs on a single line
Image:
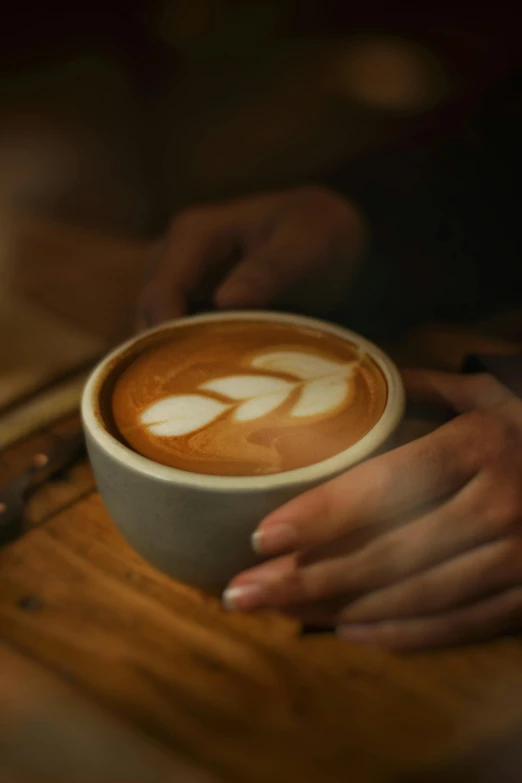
{"points": [[197, 526]]}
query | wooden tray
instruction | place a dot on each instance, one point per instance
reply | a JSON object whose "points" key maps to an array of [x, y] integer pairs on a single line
{"points": [[246, 697]]}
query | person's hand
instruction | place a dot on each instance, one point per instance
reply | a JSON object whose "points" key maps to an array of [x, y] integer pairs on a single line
{"points": [[421, 546], [294, 249]]}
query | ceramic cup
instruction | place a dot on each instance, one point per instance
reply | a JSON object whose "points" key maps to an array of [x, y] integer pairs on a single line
{"points": [[197, 527]]}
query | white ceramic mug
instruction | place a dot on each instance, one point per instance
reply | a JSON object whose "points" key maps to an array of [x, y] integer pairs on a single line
{"points": [[197, 527]]}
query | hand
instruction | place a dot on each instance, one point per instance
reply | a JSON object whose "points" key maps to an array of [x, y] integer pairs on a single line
{"points": [[418, 547], [294, 249]]}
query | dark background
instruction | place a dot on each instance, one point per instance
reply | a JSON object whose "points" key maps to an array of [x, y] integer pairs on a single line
{"points": [[116, 114]]}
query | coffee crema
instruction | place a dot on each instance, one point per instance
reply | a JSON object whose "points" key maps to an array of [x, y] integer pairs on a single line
{"points": [[246, 398]]}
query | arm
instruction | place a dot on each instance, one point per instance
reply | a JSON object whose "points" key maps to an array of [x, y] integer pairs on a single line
{"points": [[440, 215]]}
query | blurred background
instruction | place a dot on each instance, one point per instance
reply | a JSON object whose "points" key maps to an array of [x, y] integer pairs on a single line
{"points": [[115, 115]]}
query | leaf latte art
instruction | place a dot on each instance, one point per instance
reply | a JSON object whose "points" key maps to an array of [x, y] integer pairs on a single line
{"points": [[325, 385], [246, 398]]}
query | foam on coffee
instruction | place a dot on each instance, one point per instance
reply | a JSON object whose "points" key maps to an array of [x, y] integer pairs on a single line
{"points": [[244, 398]]}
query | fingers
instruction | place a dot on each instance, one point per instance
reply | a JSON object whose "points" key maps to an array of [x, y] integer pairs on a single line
{"points": [[199, 241], [262, 276], [327, 572], [463, 579], [398, 617], [202, 246], [352, 566], [472, 518], [144, 318], [199, 253], [154, 307], [376, 492], [293, 250], [256, 251], [249, 252], [460, 581], [501, 613], [277, 568], [459, 392]]}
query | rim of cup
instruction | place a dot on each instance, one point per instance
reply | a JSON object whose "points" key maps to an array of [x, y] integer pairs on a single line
{"points": [[315, 473]]}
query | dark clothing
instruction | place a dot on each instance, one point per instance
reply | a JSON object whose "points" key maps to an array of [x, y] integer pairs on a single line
{"points": [[446, 218]]}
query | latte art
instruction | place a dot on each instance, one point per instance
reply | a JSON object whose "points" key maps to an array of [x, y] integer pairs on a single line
{"points": [[324, 386], [247, 398]]}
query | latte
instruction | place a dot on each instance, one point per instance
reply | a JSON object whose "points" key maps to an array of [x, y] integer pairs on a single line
{"points": [[245, 398]]}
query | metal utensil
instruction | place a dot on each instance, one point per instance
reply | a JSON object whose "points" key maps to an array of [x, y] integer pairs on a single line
{"points": [[41, 467]]}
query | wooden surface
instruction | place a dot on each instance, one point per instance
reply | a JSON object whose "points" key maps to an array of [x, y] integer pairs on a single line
{"points": [[66, 295], [246, 697], [87, 279], [36, 345], [48, 733], [166, 672]]}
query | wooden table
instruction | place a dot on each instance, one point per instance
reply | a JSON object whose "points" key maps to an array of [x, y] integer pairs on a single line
{"points": [[111, 671]]}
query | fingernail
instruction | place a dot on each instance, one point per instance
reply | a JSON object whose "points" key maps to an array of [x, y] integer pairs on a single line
{"points": [[274, 539], [244, 598]]}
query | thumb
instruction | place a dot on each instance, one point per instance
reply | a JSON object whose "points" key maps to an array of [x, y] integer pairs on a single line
{"points": [[259, 279], [461, 393]]}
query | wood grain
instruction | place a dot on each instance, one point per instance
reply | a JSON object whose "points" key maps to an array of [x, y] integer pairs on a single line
{"points": [[49, 734], [245, 695], [36, 347], [70, 485], [90, 280]]}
